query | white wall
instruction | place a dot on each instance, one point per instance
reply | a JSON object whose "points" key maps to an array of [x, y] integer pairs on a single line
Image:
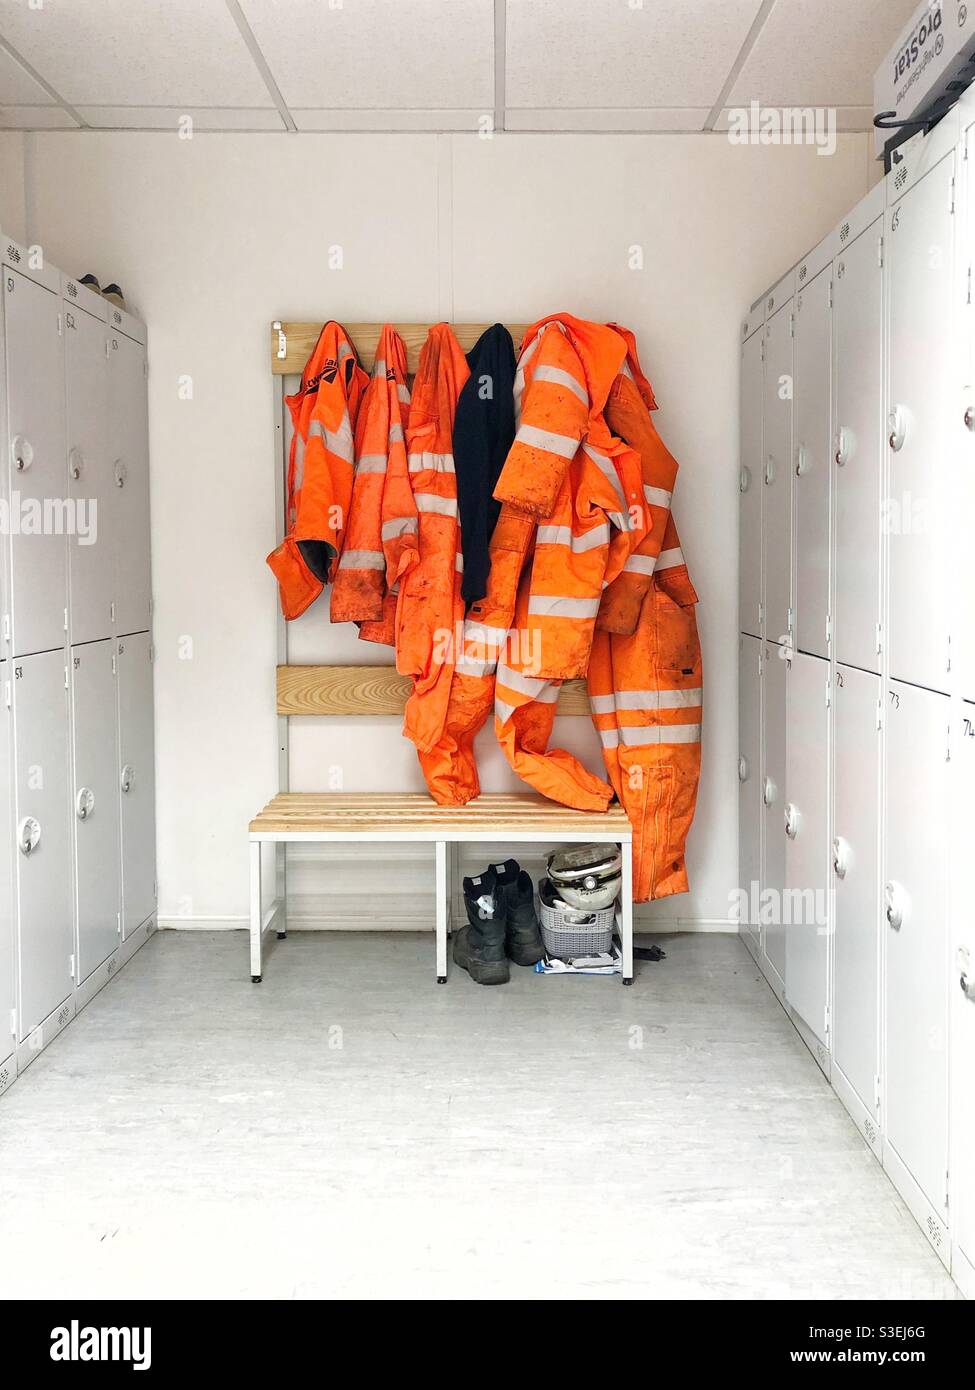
{"points": [[214, 237]]}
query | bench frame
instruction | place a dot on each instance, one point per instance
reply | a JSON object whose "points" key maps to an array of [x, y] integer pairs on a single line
{"points": [[290, 344]]}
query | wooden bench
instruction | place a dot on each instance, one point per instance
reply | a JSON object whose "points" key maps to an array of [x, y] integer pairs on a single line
{"points": [[374, 818]]}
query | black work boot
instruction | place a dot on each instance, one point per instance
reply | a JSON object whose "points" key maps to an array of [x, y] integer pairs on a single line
{"points": [[522, 937], [479, 947]]}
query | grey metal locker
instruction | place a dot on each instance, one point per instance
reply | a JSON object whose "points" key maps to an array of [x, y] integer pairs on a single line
{"points": [[136, 780], [95, 801], [750, 780], [922, 406], [128, 451], [916, 974], [8, 982], [962, 980], [858, 445], [35, 424], [857, 745], [91, 486], [750, 485], [45, 921], [805, 825], [778, 474], [774, 668], [812, 463]]}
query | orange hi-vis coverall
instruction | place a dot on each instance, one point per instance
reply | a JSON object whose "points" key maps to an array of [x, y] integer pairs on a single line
{"points": [[323, 413], [645, 677], [366, 581], [430, 611], [567, 487]]}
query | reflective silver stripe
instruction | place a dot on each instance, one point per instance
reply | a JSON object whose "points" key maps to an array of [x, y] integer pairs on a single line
{"points": [[344, 351], [560, 444], [562, 535], [483, 636], [519, 387], [459, 563], [502, 711], [379, 367], [547, 692], [640, 564], [396, 435], [470, 666], [609, 738], [660, 733], [336, 441], [621, 520], [558, 377], [437, 463], [362, 560], [669, 558], [430, 502], [402, 526], [658, 699], [549, 606], [403, 392], [605, 466], [658, 496], [371, 463], [602, 704]]}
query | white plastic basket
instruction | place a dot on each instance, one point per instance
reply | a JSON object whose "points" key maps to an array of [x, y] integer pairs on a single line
{"points": [[567, 940]]}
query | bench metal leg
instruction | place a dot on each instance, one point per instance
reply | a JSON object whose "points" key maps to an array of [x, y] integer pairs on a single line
{"points": [[281, 888], [626, 912], [443, 911], [257, 917]]}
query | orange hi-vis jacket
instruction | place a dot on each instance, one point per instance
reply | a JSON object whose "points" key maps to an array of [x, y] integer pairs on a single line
{"points": [[367, 576], [645, 676], [430, 611], [323, 413], [568, 489]]}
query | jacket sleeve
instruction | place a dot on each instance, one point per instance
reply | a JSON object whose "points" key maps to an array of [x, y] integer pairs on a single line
{"points": [[554, 420]]}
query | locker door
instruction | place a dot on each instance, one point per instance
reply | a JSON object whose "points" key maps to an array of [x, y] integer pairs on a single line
{"points": [[920, 438], [773, 798], [858, 446], [96, 803], [43, 854], [963, 552], [777, 524], [963, 992], [8, 988], [38, 475], [128, 451], [136, 781], [812, 463], [805, 826], [90, 483], [750, 485], [749, 778], [856, 880], [916, 974]]}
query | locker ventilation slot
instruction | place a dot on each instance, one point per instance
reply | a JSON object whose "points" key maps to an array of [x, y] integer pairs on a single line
{"points": [[845, 231], [14, 254], [803, 272], [900, 178]]}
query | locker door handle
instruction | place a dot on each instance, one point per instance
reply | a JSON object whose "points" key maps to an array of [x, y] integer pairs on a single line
{"points": [[842, 442], [120, 473], [743, 769], [802, 460], [897, 422], [28, 835], [970, 418], [964, 977], [769, 791], [769, 471], [128, 777], [841, 857], [84, 803], [76, 463], [791, 821], [744, 478], [895, 906], [23, 453]]}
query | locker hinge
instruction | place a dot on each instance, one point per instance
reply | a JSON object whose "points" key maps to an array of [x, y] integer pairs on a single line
{"points": [[790, 622], [71, 965], [60, 326], [65, 620], [829, 629], [13, 1023], [145, 366], [829, 691], [107, 347], [829, 296], [880, 638], [792, 325], [112, 609], [118, 923], [947, 1190], [880, 714], [6, 627], [826, 1021], [880, 252], [876, 1094], [951, 196], [761, 614], [8, 698], [969, 300], [152, 653], [67, 683], [763, 347], [114, 666], [948, 745]]}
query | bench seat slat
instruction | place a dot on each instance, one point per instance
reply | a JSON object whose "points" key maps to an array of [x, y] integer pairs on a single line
{"points": [[406, 812]]}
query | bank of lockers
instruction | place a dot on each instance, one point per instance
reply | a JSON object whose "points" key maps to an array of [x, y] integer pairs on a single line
{"points": [[915, 909], [95, 802], [91, 549], [128, 452], [805, 830], [812, 463]]}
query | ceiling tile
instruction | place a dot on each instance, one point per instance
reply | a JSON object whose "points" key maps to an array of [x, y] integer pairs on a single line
{"points": [[136, 52], [821, 54], [379, 54], [36, 118], [17, 87], [169, 117], [607, 53]]}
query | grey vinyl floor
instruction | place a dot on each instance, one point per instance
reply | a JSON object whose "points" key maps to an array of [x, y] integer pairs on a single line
{"points": [[350, 1128]]}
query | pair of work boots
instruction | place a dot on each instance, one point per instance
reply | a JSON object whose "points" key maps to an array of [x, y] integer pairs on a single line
{"points": [[502, 924]]}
